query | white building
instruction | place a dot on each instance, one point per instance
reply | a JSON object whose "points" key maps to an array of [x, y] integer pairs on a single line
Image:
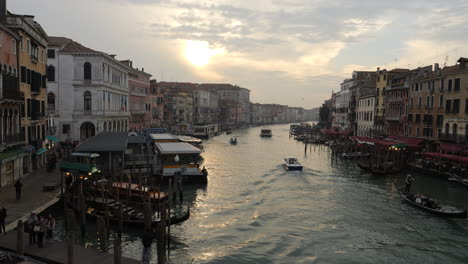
{"points": [[365, 115], [87, 91], [205, 107], [342, 105]]}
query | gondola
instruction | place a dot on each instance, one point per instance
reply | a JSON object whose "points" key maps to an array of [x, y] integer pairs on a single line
{"points": [[138, 220], [456, 178], [440, 210], [378, 171]]}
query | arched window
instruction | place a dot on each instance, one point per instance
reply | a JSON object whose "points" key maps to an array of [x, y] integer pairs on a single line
{"points": [[87, 101], [454, 131], [105, 126], [51, 101], [87, 71], [447, 128], [51, 73]]}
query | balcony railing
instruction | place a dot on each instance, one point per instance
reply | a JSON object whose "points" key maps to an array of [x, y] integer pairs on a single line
{"points": [[11, 139], [13, 94]]}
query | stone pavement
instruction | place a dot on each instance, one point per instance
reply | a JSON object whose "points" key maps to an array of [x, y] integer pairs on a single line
{"points": [[33, 198]]}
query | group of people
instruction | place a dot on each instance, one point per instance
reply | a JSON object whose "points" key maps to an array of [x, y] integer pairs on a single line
{"points": [[37, 226]]}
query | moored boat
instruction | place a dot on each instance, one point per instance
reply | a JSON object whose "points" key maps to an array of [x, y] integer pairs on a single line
{"points": [[292, 164], [266, 133], [430, 205], [381, 169]]}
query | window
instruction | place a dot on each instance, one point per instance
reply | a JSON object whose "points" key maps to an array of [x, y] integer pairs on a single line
{"points": [[28, 43], [441, 100], [457, 85], [51, 101], [418, 118], [65, 129], [428, 101], [411, 101], [87, 101], [385, 77], [51, 54], [51, 73], [13, 46], [455, 128], [456, 106], [87, 71], [447, 128], [419, 101], [23, 74], [442, 85], [466, 105], [417, 132], [448, 106], [410, 117], [1, 39], [449, 88], [28, 76], [432, 101], [440, 119]]}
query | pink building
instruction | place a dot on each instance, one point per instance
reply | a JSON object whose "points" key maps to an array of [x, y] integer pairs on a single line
{"points": [[139, 101]]}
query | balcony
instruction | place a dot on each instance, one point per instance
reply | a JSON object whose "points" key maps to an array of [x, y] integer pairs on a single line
{"points": [[9, 140], [393, 118], [453, 138], [13, 95], [37, 116]]}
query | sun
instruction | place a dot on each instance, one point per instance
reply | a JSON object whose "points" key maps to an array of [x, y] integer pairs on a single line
{"points": [[199, 53]]}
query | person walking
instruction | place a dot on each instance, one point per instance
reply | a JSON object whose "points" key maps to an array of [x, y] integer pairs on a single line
{"points": [[50, 226], [147, 240], [409, 181], [3, 215], [18, 186], [31, 227], [40, 231]]}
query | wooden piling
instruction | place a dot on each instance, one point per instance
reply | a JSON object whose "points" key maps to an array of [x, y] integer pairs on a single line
{"points": [[82, 206], [148, 216], [161, 243], [70, 248], [19, 240], [120, 227], [102, 234], [117, 251]]}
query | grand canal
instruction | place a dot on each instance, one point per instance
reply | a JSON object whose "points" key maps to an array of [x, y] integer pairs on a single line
{"points": [[253, 211]]}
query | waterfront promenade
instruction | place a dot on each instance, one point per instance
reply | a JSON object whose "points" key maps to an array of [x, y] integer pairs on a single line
{"points": [[33, 198]]}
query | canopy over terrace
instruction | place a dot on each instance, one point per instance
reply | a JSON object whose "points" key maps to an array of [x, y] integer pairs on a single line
{"points": [[338, 133], [446, 157], [378, 142]]}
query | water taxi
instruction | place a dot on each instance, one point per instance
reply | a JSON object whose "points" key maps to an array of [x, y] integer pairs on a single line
{"points": [[233, 141], [292, 164], [265, 133]]}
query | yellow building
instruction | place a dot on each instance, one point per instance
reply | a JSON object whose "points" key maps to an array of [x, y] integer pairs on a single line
{"points": [[381, 83], [455, 87], [32, 61]]}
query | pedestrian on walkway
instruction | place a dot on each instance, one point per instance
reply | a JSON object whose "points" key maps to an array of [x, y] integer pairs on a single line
{"points": [[40, 231], [50, 226], [3, 215], [18, 186], [32, 227], [147, 240]]}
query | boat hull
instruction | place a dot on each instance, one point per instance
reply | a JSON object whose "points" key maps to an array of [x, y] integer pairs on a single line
{"points": [[456, 214], [293, 167]]}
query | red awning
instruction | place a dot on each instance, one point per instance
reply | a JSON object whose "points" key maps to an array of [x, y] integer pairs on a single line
{"points": [[447, 157], [451, 148], [412, 143]]}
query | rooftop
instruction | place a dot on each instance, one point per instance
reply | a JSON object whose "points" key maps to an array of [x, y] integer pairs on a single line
{"points": [[177, 148], [105, 142], [165, 136]]}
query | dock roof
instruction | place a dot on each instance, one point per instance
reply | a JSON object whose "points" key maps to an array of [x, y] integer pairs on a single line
{"points": [[177, 148], [164, 136], [105, 142]]}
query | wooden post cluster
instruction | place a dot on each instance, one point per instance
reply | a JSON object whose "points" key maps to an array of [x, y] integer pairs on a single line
{"points": [[102, 234]]}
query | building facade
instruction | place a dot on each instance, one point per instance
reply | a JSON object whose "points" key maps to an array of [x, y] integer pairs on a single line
{"points": [[139, 99], [87, 89], [156, 98], [366, 113], [205, 107]]}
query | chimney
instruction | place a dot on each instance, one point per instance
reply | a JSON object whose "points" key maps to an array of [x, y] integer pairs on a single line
{"points": [[3, 9], [112, 55], [436, 66], [143, 69], [378, 68]]}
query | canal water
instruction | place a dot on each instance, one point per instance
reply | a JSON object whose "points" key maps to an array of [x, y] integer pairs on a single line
{"points": [[253, 211]]}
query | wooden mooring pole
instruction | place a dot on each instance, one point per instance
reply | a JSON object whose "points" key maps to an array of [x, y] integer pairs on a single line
{"points": [[102, 234], [117, 251], [82, 207], [70, 248], [19, 241]]}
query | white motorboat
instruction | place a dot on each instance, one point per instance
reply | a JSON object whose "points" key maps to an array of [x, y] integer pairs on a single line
{"points": [[265, 133], [233, 141], [292, 164]]}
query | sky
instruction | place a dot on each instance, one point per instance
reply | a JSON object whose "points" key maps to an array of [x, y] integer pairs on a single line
{"points": [[293, 52]]}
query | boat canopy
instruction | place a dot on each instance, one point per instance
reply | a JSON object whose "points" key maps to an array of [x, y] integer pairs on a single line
{"points": [[177, 148], [447, 157]]}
